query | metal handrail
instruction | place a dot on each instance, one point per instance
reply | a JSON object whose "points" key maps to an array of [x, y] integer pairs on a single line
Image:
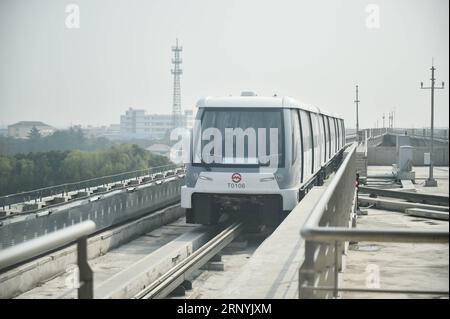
{"points": [[393, 235], [34, 194], [313, 219], [312, 231], [54, 241], [326, 229], [40, 245]]}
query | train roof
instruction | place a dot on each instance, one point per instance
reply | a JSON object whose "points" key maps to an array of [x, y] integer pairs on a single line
{"points": [[259, 102]]}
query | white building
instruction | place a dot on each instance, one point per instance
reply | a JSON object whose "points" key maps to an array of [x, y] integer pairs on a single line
{"points": [[22, 129], [136, 123]]}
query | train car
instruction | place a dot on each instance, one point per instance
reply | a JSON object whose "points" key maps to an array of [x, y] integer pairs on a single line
{"points": [[224, 177]]}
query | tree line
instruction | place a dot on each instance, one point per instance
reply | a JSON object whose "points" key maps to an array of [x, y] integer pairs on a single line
{"points": [[63, 140], [22, 172]]}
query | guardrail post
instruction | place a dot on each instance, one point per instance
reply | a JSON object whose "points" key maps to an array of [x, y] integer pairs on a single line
{"points": [[86, 287], [307, 273], [337, 252]]}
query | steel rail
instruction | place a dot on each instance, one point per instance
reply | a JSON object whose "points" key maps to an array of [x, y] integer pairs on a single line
{"points": [[178, 274]]}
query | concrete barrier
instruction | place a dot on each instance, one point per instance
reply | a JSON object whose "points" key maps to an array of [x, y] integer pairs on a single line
{"points": [[105, 210]]}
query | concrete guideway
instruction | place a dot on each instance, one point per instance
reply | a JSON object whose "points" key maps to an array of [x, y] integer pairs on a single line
{"points": [[272, 271], [184, 271], [135, 278], [23, 279], [396, 205], [427, 213], [424, 198]]}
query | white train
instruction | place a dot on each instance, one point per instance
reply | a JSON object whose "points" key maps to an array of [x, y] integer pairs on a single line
{"points": [[225, 177]]}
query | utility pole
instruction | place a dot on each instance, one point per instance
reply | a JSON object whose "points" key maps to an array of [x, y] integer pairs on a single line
{"points": [[357, 115], [383, 120], [431, 181], [393, 118]]}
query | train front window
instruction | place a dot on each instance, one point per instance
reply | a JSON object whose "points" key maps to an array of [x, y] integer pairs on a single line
{"points": [[241, 136]]}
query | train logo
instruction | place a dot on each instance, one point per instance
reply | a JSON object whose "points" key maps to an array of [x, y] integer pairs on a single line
{"points": [[236, 177]]}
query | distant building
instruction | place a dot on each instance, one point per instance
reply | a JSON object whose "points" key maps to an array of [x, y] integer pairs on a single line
{"points": [[22, 129], [136, 123]]}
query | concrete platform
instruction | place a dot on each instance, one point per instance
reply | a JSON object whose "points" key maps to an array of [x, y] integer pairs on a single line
{"points": [[272, 271], [399, 265], [396, 265]]}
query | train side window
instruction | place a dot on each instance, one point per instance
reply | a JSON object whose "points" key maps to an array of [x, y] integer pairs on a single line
{"points": [[307, 143], [316, 141], [295, 135], [327, 137], [313, 141], [302, 150], [324, 139], [330, 139], [337, 134]]}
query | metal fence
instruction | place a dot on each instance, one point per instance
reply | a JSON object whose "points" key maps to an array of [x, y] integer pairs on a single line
{"points": [[37, 194], [105, 210], [439, 134], [57, 240], [327, 230]]}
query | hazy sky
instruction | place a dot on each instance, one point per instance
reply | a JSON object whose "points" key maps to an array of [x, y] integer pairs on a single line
{"points": [[315, 51]]}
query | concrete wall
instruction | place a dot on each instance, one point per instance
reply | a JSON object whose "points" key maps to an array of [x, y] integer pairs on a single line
{"points": [[384, 155]]}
